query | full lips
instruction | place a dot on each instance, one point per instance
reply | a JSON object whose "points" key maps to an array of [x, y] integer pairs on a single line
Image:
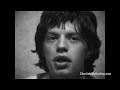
{"points": [[61, 62], [62, 59]]}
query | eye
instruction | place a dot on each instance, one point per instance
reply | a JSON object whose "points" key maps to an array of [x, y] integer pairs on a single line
{"points": [[51, 37], [75, 38]]}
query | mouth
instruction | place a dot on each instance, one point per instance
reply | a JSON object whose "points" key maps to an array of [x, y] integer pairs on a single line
{"points": [[62, 59], [62, 62]]}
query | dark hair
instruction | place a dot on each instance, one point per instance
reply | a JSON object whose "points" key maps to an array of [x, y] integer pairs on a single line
{"points": [[87, 25]]}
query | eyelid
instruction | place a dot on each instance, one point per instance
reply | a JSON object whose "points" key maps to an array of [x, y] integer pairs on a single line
{"points": [[75, 37], [72, 35], [52, 36]]}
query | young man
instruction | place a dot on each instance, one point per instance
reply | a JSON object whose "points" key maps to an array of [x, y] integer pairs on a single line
{"points": [[67, 44]]}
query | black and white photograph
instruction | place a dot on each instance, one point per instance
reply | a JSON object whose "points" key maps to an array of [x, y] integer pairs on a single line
{"points": [[60, 45]]}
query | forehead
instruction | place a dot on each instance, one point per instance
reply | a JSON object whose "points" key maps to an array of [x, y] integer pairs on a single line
{"points": [[67, 27]]}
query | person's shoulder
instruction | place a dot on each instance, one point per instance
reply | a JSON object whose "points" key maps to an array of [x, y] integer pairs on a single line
{"points": [[89, 77], [31, 77], [39, 76], [43, 76]]}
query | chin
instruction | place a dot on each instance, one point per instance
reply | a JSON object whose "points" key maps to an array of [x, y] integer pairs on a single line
{"points": [[64, 73]]}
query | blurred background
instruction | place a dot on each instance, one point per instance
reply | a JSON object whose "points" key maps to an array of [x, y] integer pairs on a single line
{"points": [[25, 28]]}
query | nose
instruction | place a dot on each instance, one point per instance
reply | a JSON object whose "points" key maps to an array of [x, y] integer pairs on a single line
{"points": [[62, 45]]}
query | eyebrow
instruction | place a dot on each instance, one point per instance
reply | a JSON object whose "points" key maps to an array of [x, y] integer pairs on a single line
{"points": [[53, 33], [67, 33], [71, 34]]}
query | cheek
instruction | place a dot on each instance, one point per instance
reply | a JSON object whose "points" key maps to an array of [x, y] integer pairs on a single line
{"points": [[78, 54], [49, 52], [78, 59]]}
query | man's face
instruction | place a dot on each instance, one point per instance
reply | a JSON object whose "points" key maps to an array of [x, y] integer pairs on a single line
{"points": [[64, 52]]}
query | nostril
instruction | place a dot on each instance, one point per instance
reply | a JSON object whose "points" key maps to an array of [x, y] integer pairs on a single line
{"points": [[62, 49]]}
